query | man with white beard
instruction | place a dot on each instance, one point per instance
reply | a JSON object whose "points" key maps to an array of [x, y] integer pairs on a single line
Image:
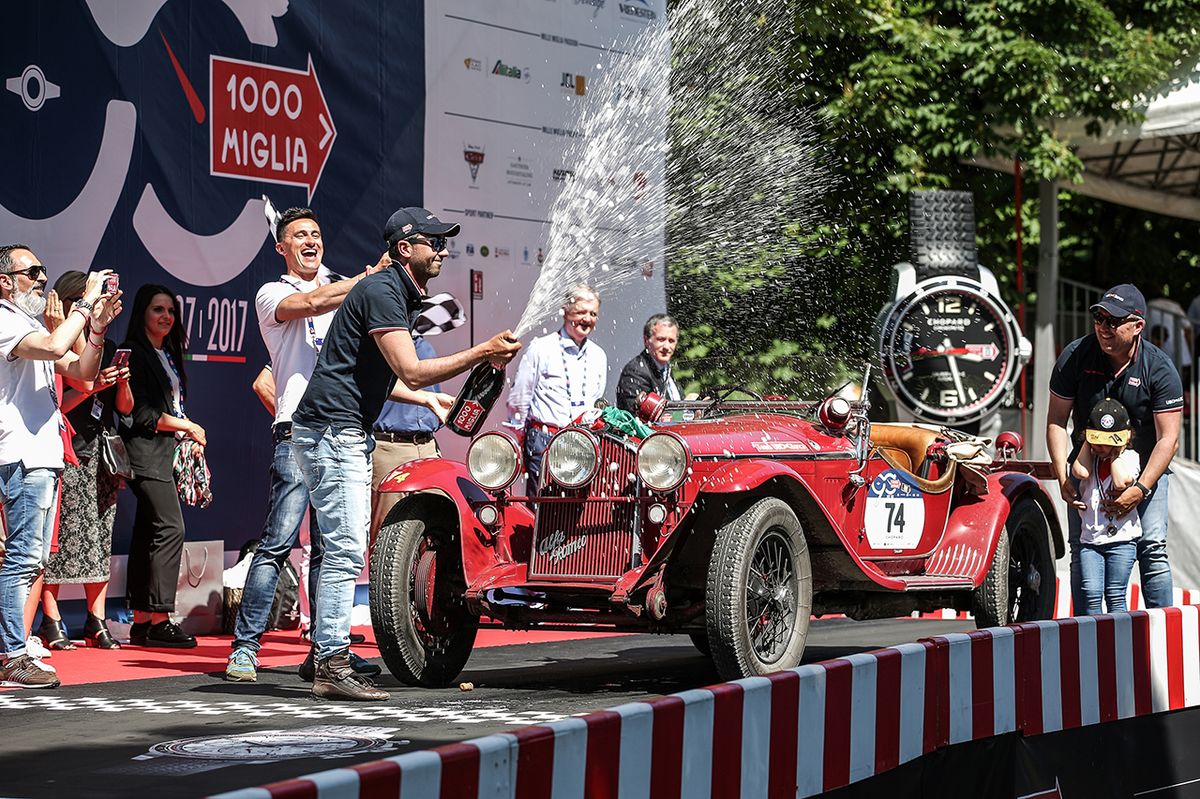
{"points": [[31, 441]]}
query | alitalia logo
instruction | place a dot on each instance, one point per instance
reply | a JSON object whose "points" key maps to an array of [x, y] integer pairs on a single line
{"points": [[506, 71]]}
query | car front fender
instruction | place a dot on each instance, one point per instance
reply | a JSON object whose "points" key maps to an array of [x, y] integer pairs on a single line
{"points": [[745, 475], [458, 496]]}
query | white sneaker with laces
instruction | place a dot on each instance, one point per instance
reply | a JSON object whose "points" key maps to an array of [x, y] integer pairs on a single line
{"points": [[34, 648]]}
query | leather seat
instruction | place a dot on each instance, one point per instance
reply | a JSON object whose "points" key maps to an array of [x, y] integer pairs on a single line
{"points": [[904, 446]]}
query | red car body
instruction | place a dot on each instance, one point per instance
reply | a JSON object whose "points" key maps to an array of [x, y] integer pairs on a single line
{"points": [[886, 530]]}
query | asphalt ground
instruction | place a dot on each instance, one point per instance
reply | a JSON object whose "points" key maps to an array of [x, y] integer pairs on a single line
{"points": [[197, 734]]}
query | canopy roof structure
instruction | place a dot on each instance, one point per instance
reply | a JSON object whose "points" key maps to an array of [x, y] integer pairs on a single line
{"points": [[1154, 165]]}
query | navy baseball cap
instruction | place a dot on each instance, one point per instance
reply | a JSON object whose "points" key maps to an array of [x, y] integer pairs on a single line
{"points": [[1109, 424], [1121, 301], [412, 221]]}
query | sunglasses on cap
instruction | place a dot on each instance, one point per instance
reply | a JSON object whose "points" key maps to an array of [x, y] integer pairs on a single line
{"points": [[31, 272], [436, 243], [1111, 322]]}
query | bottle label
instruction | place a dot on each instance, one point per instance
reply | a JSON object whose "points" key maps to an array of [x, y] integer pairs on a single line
{"points": [[470, 413]]}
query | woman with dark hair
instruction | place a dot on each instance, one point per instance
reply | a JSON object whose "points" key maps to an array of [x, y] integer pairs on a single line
{"points": [[159, 386], [89, 493]]}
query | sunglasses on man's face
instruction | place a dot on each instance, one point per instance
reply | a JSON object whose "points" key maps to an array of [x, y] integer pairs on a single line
{"points": [[436, 243], [31, 272], [1111, 322]]}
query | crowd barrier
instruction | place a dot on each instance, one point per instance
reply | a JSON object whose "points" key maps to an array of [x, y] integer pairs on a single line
{"points": [[815, 728]]}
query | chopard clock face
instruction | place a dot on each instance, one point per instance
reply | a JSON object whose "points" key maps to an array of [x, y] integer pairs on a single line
{"points": [[950, 351]]}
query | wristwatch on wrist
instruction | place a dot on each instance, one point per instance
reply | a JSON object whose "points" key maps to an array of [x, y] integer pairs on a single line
{"points": [[1140, 485], [83, 305], [951, 348]]}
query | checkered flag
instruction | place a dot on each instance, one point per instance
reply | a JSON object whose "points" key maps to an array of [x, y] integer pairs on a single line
{"points": [[439, 314], [272, 217]]}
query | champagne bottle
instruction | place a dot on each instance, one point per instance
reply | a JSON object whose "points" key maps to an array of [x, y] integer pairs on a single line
{"points": [[476, 399]]}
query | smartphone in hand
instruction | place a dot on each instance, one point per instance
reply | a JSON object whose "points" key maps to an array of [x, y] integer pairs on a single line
{"points": [[120, 357], [112, 283]]}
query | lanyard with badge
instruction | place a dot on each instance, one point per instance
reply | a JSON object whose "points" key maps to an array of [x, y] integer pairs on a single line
{"points": [[314, 341], [582, 401]]}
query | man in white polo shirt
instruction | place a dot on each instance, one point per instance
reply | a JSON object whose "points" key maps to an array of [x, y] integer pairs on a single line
{"points": [[294, 313], [31, 444]]}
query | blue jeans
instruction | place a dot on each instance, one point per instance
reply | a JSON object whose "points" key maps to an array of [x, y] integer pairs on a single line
{"points": [[1151, 550], [29, 497], [285, 513], [536, 442], [336, 467], [1104, 574]]}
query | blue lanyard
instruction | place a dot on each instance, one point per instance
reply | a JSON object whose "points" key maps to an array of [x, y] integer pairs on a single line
{"points": [[313, 339], [582, 402]]}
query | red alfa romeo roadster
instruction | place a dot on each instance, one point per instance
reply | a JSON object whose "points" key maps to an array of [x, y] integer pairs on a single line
{"points": [[734, 528]]}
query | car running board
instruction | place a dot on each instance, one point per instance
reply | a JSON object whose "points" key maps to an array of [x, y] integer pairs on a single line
{"points": [[936, 582]]}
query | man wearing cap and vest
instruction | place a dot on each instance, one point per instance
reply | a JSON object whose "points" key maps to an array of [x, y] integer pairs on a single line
{"points": [[561, 376], [1116, 362], [367, 347]]}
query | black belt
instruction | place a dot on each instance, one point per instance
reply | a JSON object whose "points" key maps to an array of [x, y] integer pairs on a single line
{"points": [[423, 437], [282, 431]]}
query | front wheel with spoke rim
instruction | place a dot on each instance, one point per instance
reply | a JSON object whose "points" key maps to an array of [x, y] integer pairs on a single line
{"points": [[759, 592]]}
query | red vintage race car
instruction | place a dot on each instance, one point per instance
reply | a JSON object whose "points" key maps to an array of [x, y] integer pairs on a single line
{"points": [[735, 528]]}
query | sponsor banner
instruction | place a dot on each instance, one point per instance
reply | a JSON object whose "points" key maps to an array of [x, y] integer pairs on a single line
{"points": [[510, 86]]}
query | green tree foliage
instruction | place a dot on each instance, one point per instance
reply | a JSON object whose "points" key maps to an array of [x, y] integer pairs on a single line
{"points": [[902, 95]]}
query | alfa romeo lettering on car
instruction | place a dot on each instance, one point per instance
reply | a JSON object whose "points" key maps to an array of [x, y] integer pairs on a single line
{"points": [[734, 527]]}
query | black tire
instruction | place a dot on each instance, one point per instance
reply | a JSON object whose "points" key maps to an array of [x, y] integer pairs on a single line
{"points": [[1020, 583], [700, 641], [425, 640], [776, 592]]}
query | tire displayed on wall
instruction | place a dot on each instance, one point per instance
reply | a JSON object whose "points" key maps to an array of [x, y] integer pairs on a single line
{"points": [[759, 592], [1020, 583], [424, 629]]}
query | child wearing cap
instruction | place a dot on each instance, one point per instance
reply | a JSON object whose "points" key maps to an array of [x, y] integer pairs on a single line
{"points": [[1106, 466]]}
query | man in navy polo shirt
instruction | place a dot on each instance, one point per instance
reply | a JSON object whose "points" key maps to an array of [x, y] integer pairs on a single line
{"points": [[1116, 362], [368, 345]]}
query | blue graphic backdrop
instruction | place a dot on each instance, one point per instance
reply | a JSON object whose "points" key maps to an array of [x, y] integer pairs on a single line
{"points": [[79, 73]]}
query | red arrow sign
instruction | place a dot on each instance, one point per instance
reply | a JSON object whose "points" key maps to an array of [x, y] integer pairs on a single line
{"points": [[267, 123]]}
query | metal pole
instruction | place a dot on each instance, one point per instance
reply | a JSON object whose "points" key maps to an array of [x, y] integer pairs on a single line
{"points": [[1044, 346], [472, 306]]}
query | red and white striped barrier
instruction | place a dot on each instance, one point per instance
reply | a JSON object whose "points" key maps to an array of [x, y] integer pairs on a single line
{"points": [[1062, 601], [815, 728]]}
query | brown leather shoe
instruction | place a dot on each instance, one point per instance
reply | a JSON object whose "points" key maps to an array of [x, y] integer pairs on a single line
{"points": [[336, 679]]}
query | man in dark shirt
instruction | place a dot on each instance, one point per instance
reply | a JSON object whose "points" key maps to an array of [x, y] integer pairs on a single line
{"points": [[650, 370], [368, 345], [1116, 362], [403, 433]]}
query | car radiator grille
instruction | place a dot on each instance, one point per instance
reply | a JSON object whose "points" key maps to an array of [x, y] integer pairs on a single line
{"points": [[588, 539]]}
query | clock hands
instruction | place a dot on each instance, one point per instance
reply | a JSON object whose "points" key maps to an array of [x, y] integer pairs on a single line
{"points": [[953, 361], [975, 353]]}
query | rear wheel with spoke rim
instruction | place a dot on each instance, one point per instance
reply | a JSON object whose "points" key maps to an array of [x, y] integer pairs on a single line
{"points": [[1020, 583]]}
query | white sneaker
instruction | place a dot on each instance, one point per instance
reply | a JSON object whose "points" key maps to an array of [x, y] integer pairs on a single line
{"points": [[34, 648], [43, 666]]}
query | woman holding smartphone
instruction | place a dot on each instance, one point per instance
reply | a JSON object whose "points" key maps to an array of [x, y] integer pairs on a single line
{"points": [[89, 493], [159, 419]]}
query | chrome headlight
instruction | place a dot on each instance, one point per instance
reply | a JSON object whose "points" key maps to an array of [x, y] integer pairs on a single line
{"points": [[494, 461], [572, 457], [663, 461]]}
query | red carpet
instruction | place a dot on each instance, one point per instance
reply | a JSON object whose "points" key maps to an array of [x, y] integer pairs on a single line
{"points": [[85, 665]]}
